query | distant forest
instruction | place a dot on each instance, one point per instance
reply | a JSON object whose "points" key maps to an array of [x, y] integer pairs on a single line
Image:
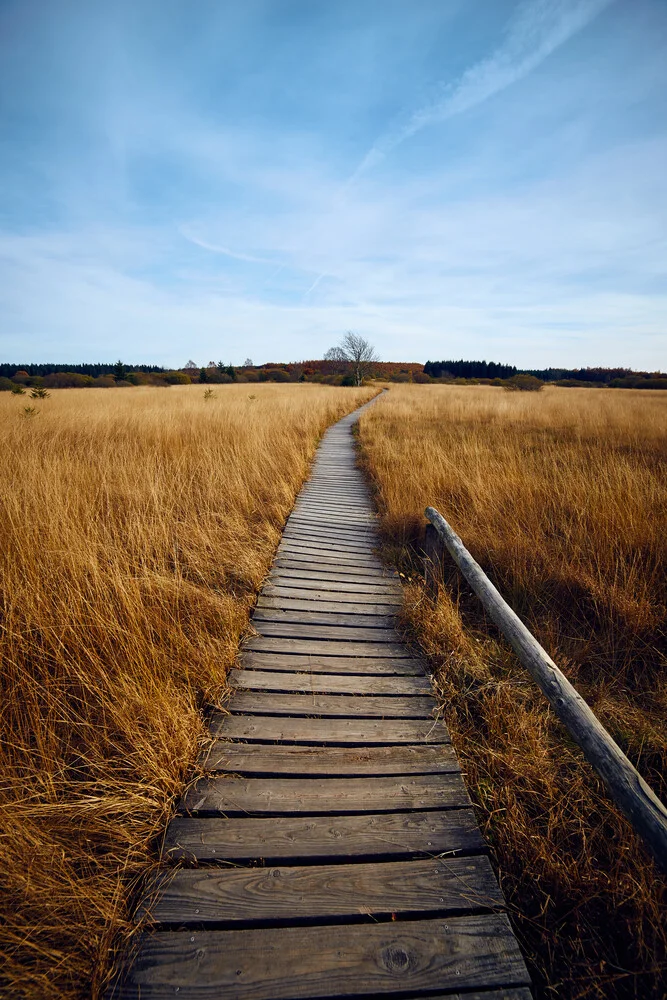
{"points": [[94, 370], [332, 372], [493, 370]]}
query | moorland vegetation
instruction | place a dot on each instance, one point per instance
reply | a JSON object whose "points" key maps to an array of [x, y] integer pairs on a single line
{"points": [[561, 496], [135, 530]]}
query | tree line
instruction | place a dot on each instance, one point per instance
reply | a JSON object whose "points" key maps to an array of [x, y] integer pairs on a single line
{"points": [[613, 377]]}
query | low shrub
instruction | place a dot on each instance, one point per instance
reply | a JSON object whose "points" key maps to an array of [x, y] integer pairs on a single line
{"points": [[523, 383]]}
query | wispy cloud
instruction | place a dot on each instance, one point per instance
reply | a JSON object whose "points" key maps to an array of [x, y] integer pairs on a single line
{"points": [[225, 251], [538, 28]]}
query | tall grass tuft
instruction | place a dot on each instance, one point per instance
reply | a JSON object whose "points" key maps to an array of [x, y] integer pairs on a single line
{"points": [[561, 496], [135, 529]]}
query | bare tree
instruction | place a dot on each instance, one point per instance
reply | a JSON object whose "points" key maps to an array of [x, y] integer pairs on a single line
{"points": [[357, 353], [336, 361]]}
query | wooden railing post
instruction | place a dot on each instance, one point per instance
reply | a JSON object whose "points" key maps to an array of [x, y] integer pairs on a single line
{"points": [[625, 785], [434, 551]]}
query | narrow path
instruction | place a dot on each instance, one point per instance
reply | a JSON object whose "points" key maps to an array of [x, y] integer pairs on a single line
{"points": [[336, 850]]}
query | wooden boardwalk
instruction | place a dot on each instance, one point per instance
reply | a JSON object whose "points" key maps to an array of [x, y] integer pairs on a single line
{"points": [[331, 850]]}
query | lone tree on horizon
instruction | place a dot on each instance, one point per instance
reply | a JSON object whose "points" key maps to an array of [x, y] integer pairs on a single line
{"points": [[358, 353]]}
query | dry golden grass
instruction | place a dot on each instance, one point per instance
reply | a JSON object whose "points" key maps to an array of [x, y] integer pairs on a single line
{"points": [[562, 498], [135, 528]]}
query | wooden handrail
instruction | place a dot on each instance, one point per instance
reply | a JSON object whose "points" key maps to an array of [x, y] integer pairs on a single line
{"points": [[625, 785]]}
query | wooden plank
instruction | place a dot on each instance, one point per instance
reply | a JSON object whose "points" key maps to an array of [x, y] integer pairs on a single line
{"points": [[339, 496], [334, 705], [360, 541], [323, 547], [346, 633], [284, 963], [239, 758], [297, 604], [352, 482], [322, 521], [308, 542], [264, 729], [330, 560], [378, 592], [335, 513], [292, 838], [370, 555], [321, 575], [320, 525], [323, 618], [378, 684], [306, 664], [290, 550], [378, 587], [323, 594], [518, 993], [328, 540], [322, 647], [301, 892], [311, 565], [336, 490], [286, 796], [340, 517]]}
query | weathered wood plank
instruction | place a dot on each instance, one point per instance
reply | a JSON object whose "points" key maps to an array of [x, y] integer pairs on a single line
{"points": [[385, 592], [329, 499], [286, 796], [358, 541], [285, 963], [346, 633], [329, 541], [330, 705], [518, 993], [339, 514], [323, 647], [265, 729], [307, 664], [330, 575], [326, 555], [298, 604], [330, 559], [324, 594], [292, 838], [331, 546], [321, 526], [323, 618], [312, 547], [377, 684], [310, 566], [378, 591], [300, 761], [201, 896], [350, 519]]}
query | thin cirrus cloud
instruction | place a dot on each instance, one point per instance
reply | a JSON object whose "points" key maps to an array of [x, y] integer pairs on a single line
{"points": [[536, 30]]}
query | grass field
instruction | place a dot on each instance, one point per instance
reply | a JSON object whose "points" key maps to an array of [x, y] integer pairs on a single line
{"points": [[562, 497], [135, 529]]}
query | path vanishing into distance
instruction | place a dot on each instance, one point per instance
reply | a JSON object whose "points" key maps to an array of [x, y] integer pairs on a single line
{"points": [[331, 850]]}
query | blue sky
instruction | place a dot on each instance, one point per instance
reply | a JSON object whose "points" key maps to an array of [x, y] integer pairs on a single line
{"points": [[213, 180]]}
